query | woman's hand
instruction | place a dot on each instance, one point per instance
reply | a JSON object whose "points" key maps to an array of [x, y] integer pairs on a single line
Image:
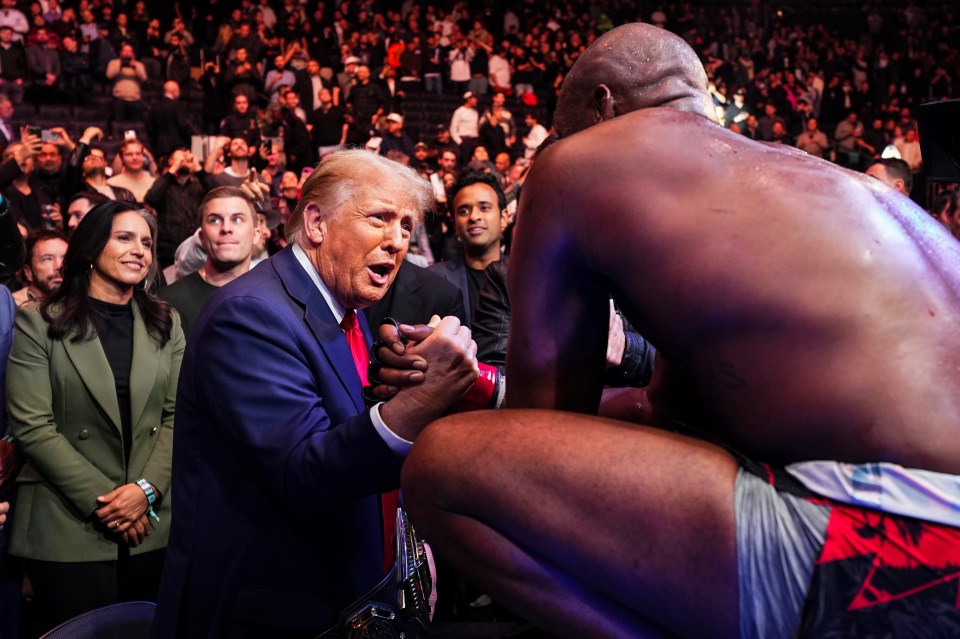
{"points": [[135, 534], [122, 507]]}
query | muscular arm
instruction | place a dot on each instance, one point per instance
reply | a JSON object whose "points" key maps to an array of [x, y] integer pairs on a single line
{"points": [[558, 333]]}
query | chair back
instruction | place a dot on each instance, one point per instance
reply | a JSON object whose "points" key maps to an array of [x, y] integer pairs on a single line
{"points": [[127, 620]]}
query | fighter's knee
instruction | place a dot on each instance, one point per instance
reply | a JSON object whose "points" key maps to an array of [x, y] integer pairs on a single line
{"points": [[437, 455]]}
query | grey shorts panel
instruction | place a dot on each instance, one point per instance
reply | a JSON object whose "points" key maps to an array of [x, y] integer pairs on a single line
{"points": [[779, 537]]}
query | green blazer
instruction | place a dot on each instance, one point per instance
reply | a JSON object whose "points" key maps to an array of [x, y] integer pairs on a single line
{"points": [[64, 413]]}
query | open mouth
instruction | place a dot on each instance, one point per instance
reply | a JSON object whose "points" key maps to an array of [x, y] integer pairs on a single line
{"points": [[380, 273], [136, 266]]}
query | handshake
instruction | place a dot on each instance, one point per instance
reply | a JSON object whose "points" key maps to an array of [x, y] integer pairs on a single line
{"points": [[424, 372]]}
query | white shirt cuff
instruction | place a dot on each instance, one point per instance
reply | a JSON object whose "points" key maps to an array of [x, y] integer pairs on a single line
{"points": [[397, 444]]}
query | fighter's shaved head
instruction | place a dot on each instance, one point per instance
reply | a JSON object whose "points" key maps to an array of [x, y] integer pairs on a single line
{"points": [[634, 66]]}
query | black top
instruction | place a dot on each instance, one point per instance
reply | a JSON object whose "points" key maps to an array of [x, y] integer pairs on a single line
{"points": [[475, 279], [115, 331], [187, 296]]}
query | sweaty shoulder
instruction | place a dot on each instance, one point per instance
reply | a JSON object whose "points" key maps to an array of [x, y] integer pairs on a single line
{"points": [[633, 169]]}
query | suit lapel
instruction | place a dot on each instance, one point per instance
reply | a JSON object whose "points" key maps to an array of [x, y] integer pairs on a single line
{"points": [[143, 371], [321, 321], [94, 370], [408, 298]]}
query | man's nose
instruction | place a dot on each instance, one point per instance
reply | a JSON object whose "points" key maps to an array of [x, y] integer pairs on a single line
{"points": [[393, 238]]}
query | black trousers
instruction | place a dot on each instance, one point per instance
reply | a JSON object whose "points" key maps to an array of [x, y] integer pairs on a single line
{"points": [[63, 590]]}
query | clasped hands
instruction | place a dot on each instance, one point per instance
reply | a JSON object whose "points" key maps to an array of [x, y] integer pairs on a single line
{"points": [[421, 371], [123, 512]]}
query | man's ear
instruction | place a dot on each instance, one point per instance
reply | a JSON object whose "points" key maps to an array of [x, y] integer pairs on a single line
{"points": [[603, 102], [314, 223]]}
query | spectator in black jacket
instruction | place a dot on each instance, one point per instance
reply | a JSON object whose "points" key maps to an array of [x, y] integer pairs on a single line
{"points": [[176, 197], [216, 98], [296, 137], [13, 65], [167, 125], [243, 75], [395, 139], [241, 122], [75, 71], [367, 102]]}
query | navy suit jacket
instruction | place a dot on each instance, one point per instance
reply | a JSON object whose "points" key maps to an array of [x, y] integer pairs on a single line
{"points": [[455, 272], [277, 467]]}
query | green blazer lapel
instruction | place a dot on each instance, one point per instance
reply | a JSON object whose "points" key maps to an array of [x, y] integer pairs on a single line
{"points": [[143, 371], [94, 370]]}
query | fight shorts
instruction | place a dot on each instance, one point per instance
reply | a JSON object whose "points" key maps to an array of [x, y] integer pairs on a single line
{"points": [[813, 567]]}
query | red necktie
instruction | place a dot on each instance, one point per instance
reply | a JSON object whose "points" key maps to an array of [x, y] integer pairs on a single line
{"points": [[388, 501]]}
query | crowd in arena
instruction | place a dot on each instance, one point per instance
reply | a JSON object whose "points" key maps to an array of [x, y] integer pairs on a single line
{"points": [[179, 109]]}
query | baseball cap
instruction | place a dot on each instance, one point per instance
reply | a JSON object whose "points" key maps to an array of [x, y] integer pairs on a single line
{"points": [[352, 60], [395, 117], [468, 95], [421, 145]]}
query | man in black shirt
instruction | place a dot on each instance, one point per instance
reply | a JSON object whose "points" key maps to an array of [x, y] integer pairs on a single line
{"points": [[241, 122], [330, 127], [229, 232], [174, 196], [367, 101], [479, 222]]}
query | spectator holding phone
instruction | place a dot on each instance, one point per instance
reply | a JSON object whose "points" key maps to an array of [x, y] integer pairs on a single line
{"points": [[176, 196], [235, 154], [127, 75]]}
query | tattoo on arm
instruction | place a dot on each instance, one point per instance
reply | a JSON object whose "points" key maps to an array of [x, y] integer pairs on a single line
{"points": [[727, 377]]}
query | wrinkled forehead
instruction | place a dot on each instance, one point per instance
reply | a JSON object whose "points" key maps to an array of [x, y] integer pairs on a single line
{"points": [[386, 194]]}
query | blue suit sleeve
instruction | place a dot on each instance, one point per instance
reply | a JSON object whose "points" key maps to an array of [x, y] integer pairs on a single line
{"points": [[280, 405]]}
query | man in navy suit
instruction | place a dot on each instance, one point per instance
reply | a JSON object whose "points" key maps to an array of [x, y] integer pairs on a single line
{"points": [[278, 465]]}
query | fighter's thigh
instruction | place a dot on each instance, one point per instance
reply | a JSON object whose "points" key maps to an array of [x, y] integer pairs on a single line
{"points": [[644, 515]]}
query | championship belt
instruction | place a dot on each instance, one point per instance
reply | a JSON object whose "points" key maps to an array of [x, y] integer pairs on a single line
{"points": [[398, 607]]}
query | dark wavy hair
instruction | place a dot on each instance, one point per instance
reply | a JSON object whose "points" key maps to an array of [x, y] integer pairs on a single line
{"points": [[68, 309]]}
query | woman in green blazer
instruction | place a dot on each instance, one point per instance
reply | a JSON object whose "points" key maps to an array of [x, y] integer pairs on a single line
{"points": [[91, 386]]}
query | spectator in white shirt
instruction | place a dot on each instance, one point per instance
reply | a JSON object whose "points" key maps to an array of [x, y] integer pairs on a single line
{"points": [[465, 126], [535, 137]]}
